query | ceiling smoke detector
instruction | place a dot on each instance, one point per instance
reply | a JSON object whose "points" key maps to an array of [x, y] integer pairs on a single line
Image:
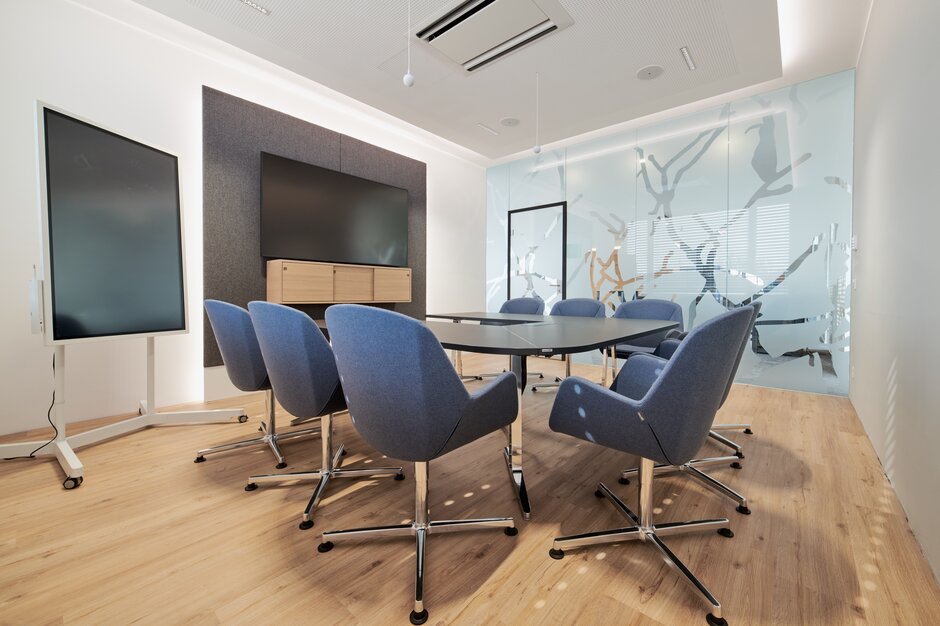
{"points": [[650, 72], [509, 121]]}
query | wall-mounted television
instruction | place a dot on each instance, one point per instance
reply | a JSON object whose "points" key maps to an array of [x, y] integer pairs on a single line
{"points": [[311, 213], [113, 242]]}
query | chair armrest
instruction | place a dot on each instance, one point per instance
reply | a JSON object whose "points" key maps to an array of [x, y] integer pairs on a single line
{"points": [[489, 409], [637, 375], [667, 348], [587, 411], [675, 334]]}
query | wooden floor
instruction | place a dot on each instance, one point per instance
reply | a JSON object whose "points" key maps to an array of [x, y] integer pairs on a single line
{"points": [[153, 538]]}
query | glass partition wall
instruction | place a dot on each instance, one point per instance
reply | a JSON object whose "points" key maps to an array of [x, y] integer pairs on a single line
{"points": [[750, 200]]}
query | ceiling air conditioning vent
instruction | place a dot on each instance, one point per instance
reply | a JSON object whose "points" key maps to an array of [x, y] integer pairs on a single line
{"points": [[477, 32]]}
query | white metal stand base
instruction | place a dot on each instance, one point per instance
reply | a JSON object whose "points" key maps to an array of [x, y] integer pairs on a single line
{"points": [[63, 447]]}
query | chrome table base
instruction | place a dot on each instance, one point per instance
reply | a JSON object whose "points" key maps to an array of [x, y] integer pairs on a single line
{"points": [[420, 528], [642, 528], [270, 437], [330, 468]]}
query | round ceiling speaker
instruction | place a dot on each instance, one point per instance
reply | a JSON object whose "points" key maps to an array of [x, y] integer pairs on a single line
{"points": [[509, 121], [650, 72]]}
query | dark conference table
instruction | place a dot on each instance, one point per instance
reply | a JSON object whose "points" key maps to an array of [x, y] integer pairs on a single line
{"points": [[520, 336]]}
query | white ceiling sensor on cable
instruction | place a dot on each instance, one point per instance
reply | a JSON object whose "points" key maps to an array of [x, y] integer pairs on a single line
{"points": [[478, 32]]}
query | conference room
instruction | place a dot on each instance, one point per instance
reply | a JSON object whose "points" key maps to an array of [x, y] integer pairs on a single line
{"points": [[470, 311]]}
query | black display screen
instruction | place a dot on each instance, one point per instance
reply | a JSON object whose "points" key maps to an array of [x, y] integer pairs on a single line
{"points": [[314, 214], [115, 244]]}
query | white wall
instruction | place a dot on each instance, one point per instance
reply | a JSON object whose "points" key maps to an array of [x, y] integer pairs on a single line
{"points": [[127, 68], [894, 340]]}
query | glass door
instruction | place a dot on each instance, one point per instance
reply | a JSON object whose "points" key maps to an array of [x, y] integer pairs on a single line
{"points": [[536, 252]]}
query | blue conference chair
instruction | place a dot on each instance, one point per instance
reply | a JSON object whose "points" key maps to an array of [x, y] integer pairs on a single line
{"points": [[693, 468], [660, 411], [647, 309], [407, 401], [245, 367], [525, 306], [574, 307], [304, 377]]}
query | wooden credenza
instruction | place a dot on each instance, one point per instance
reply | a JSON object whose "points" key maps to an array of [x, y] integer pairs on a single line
{"points": [[306, 282]]}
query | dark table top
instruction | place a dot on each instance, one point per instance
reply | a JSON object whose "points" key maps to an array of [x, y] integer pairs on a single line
{"points": [[502, 318], [559, 335], [539, 334]]}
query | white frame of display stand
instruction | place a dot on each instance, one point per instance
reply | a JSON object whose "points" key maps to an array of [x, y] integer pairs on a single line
{"points": [[63, 447]]}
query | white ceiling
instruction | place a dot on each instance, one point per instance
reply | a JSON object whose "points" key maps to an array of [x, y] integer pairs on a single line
{"points": [[588, 70]]}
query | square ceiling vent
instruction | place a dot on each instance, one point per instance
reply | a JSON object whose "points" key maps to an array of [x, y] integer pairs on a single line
{"points": [[478, 32]]}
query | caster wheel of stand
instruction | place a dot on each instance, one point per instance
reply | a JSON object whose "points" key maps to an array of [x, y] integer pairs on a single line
{"points": [[715, 621], [726, 532], [326, 546], [542, 376], [307, 525], [556, 554], [736, 465], [72, 483], [281, 465], [399, 477], [199, 459], [748, 431], [251, 486], [512, 531], [242, 419], [419, 618], [740, 455], [598, 493], [623, 481], [743, 510]]}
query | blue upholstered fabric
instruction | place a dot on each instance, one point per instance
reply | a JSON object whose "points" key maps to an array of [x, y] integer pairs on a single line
{"points": [[299, 359], [238, 344], [525, 306], [579, 307], [404, 396], [668, 347], [647, 309], [658, 409]]}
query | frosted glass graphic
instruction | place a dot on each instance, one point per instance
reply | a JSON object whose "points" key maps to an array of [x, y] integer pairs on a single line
{"points": [[750, 200]]}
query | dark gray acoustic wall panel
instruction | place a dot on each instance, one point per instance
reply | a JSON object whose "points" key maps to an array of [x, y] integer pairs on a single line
{"points": [[235, 132]]}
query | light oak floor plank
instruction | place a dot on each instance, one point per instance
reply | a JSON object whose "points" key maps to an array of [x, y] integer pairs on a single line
{"points": [[152, 538]]}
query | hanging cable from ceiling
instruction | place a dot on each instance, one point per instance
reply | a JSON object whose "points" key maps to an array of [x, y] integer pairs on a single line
{"points": [[408, 79]]}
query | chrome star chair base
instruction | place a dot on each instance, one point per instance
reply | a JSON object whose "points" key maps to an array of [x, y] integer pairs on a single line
{"points": [[270, 437], [665, 350], [329, 469], [420, 528], [642, 528], [692, 469]]}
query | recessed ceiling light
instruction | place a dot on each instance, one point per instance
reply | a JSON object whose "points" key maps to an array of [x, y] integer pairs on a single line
{"points": [[487, 128], [257, 7], [649, 72], [509, 121], [688, 57]]}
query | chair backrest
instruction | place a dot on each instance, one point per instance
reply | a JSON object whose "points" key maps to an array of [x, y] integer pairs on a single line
{"points": [[299, 359], [238, 344], [403, 394], [579, 307], [650, 309], [755, 312], [527, 306], [681, 405]]}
